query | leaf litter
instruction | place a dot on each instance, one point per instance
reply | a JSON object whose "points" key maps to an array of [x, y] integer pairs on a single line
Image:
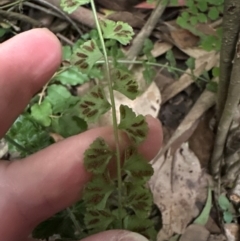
{"points": [[179, 183]]}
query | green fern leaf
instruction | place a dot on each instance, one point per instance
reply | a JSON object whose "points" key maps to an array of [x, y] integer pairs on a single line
{"points": [[120, 31], [97, 156], [41, 113], [86, 56], [97, 191], [93, 105], [98, 220], [137, 167], [135, 126], [125, 84], [139, 199], [70, 6], [142, 226]]}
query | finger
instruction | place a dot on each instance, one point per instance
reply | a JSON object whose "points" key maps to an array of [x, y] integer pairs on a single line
{"points": [[27, 62], [116, 235], [49, 181]]}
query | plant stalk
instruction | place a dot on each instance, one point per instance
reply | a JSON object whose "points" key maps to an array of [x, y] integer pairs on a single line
{"points": [[114, 115], [231, 27], [230, 107]]}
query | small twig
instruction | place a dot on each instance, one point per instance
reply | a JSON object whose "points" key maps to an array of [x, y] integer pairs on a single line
{"points": [[19, 16], [82, 15], [216, 23], [66, 40], [45, 10], [227, 114], [50, 5], [74, 220], [231, 26], [146, 30]]}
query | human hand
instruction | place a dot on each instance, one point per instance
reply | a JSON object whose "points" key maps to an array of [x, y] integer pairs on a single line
{"points": [[42, 184]]}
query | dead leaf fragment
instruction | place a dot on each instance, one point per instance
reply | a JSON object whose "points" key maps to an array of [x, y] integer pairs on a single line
{"points": [[184, 39], [175, 185], [232, 231], [133, 19], [195, 232]]}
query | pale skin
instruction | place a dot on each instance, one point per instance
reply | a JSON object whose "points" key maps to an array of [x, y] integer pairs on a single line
{"points": [[35, 188]]}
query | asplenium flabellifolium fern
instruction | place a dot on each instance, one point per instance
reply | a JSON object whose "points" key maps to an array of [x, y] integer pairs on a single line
{"points": [[122, 200]]}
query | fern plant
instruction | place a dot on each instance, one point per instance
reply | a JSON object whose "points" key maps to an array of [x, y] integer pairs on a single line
{"points": [[122, 201]]}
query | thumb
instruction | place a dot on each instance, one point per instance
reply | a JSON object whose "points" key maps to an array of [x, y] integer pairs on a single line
{"points": [[116, 235]]}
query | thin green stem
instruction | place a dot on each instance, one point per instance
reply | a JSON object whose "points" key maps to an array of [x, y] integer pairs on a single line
{"points": [[123, 61], [114, 115], [74, 220]]}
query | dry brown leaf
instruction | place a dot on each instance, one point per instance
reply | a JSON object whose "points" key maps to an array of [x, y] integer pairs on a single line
{"points": [[196, 52], [175, 186], [56, 137], [195, 232], [136, 20], [184, 39], [206, 29], [146, 104], [232, 231], [160, 48], [2, 2], [202, 139]]}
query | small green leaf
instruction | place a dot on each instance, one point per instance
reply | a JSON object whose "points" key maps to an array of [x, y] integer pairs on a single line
{"points": [[149, 73], [147, 46], [170, 57], [66, 52], [72, 76], [120, 31], [224, 202], [135, 126], [202, 18], [213, 13], [42, 112], [193, 20], [137, 168], [125, 84], [3, 31], [97, 191], [202, 6], [29, 134], [94, 104], [70, 6], [97, 156], [193, 9], [140, 225], [185, 15], [139, 199], [203, 217], [212, 86], [68, 125], [98, 220], [86, 55], [182, 22], [190, 63], [60, 98], [227, 217], [216, 72]]}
